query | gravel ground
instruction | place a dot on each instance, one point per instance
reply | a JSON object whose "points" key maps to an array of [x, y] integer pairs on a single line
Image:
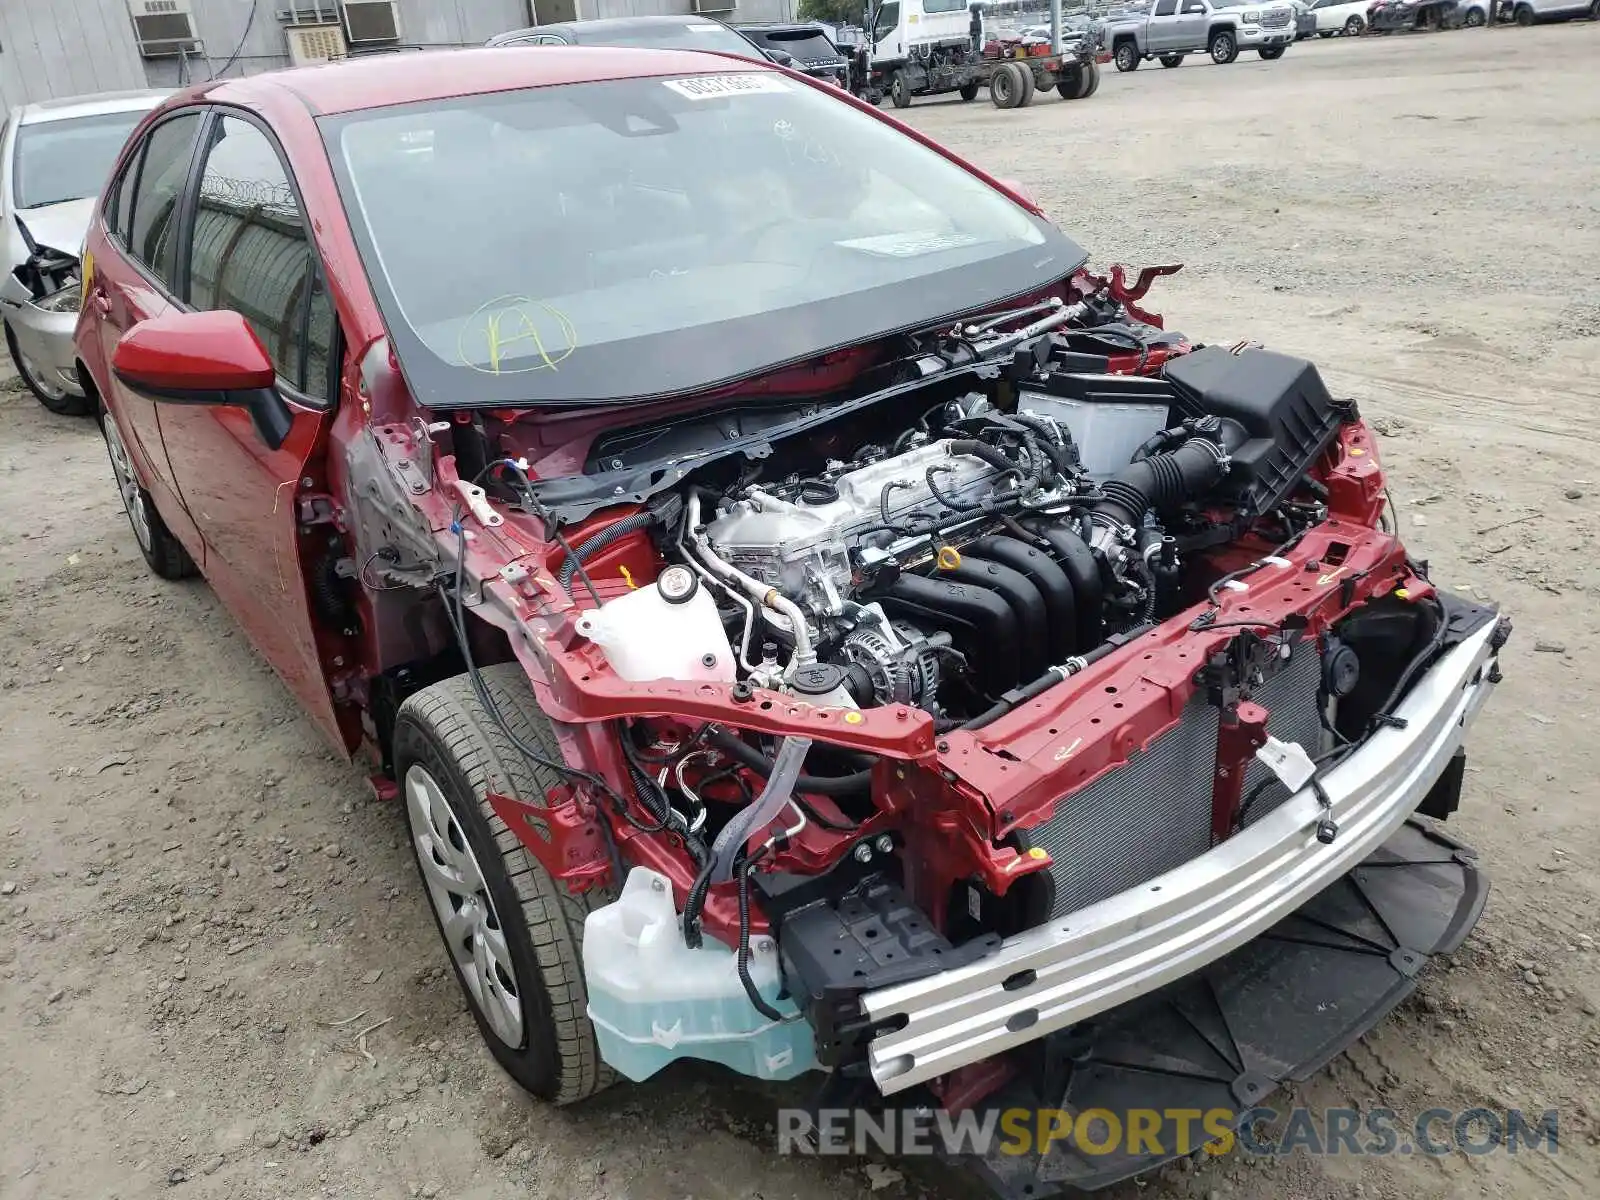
{"points": [[217, 972]]}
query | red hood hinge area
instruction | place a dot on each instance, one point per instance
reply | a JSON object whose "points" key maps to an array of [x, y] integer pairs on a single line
{"points": [[1116, 285]]}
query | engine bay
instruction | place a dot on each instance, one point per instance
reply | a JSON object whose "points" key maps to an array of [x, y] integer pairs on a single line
{"points": [[941, 554]]}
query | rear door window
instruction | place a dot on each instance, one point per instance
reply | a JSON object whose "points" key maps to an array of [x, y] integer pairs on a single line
{"points": [[152, 225]]}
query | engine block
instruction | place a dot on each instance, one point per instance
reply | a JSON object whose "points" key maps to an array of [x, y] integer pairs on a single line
{"points": [[802, 546]]}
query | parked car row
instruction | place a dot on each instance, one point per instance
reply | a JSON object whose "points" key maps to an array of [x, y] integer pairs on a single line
{"points": [[1171, 30]]}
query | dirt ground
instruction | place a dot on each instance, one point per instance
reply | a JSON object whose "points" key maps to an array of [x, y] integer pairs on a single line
{"points": [[201, 910]]}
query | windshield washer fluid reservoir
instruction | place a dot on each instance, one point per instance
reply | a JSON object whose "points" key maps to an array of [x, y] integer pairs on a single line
{"points": [[653, 1000], [668, 630]]}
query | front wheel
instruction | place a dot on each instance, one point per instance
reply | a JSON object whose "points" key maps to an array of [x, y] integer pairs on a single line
{"points": [[1354, 27], [1475, 18], [513, 934], [1091, 81], [1127, 57], [968, 91], [1069, 83], [53, 396], [900, 90], [1223, 48], [1271, 53], [1172, 60]]}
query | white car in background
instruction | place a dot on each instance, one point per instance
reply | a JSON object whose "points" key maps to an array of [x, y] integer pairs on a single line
{"points": [[1341, 16], [54, 159], [1527, 12]]}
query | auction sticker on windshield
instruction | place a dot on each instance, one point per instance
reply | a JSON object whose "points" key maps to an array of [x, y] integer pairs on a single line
{"points": [[714, 87]]}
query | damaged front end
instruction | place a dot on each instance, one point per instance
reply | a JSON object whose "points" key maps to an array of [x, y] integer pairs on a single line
{"points": [[984, 717], [39, 300]]}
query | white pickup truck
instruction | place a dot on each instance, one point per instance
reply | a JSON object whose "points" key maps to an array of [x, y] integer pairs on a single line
{"points": [[1172, 29]]}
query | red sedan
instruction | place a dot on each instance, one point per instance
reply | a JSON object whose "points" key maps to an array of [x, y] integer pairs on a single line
{"points": [[808, 618]]}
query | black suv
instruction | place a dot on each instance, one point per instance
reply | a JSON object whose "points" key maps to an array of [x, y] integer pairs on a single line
{"points": [[807, 46]]}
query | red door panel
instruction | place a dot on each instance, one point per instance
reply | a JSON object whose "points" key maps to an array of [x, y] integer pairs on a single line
{"points": [[125, 298], [242, 497], [131, 283], [248, 251]]}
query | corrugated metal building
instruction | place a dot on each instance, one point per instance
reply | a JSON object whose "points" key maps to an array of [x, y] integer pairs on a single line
{"points": [[67, 47]]}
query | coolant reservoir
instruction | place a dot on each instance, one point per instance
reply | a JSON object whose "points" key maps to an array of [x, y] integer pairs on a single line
{"points": [[652, 999], [669, 630]]}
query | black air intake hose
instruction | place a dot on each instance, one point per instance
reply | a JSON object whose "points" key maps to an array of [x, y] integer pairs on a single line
{"points": [[1161, 481]]}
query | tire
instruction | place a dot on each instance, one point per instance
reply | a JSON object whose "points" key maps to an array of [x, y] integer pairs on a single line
{"points": [[1475, 19], [1070, 83], [1025, 79], [1272, 53], [1091, 81], [969, 91], [1127, 56], [1223, 47], [58, 400], [1171, 60], [163, 553], [1005, 86], [1524, 16], [899, 90], [525, 929], [1594, 11], [1354, 27]]}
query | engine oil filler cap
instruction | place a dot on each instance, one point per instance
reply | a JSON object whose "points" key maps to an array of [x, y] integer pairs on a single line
{"points": [[677, 585]]}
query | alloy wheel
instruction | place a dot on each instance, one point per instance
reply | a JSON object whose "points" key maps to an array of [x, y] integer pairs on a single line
{"points": [[472, 928], [128, 484], [38, 380]]}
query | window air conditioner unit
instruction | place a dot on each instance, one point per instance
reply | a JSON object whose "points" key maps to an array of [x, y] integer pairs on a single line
{"points": [[372, 20], [312, 44], [163, 27]]}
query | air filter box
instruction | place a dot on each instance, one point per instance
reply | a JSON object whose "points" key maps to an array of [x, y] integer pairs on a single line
{"points": [[1281, 404]]}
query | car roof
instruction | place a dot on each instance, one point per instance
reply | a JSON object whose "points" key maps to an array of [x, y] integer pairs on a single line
{"points": [[389, 79], [64, 108], [602, 24]]}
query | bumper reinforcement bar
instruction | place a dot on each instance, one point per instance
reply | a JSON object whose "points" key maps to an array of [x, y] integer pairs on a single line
{"points": [[1131, 944]]}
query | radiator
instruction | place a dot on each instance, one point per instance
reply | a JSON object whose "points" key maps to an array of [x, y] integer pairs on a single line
{"points": [[1153, 813]]}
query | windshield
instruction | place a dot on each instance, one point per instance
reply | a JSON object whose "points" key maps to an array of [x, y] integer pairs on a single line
{"points": [[644, 237], [663, 35], [56, 161], [808, 45]]}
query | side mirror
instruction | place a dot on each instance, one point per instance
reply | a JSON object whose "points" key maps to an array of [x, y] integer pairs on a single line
{"points": [[204, 358], [782, 57]]}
